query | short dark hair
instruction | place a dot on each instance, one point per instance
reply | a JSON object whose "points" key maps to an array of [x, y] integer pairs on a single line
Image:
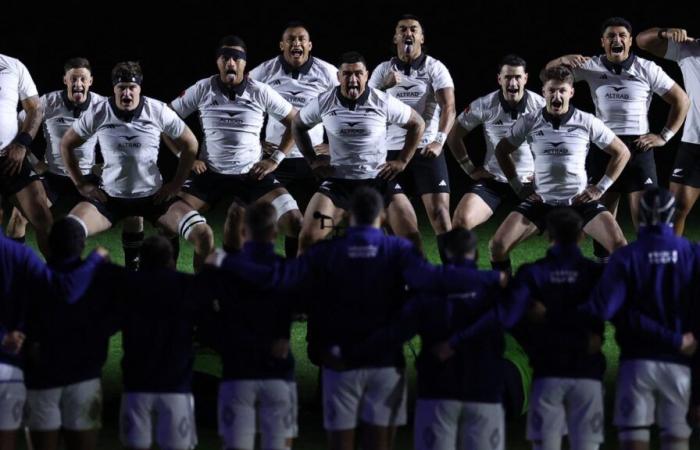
{"points": [[557, 73], [366, 205], [616, 22], [76, 63], [156, 253], [66, 239], [260, 220], [127, 69], [564, 226], [512, 60], [459, 241], [295, 24], [232, 41], [352, 57]]}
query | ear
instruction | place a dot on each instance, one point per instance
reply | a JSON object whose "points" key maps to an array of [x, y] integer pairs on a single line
{"points": [[525, 79], [311, 45], [281, 46], [602, 42]]}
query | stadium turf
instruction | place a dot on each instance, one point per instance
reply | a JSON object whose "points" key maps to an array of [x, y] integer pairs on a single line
{"points": [[312, 436]]}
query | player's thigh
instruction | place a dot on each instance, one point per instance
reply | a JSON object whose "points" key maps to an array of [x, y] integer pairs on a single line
{"points": [[471, 211], [33, 204], [605, 229], [194, 202], [685, 195], [482, 426], [436, 424], [585, 412], [286, 208], [13, 395], [384, 398], [437, 206], [546, 415], [514, 229], [401, 215], [634, 198], [91, 218], [81, 406], [236, 413], [42, 411], [317, 228], [342, 394], [673, 400], [276, 412], [181, 219], [135, 420], [175, 426]]}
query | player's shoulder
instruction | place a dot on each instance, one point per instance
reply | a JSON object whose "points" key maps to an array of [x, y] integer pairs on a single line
{"points": [[265, 69], [52, 100], [10, 63], [434, 64], [96, 98], [535, 100], [324, 66], [383, 66]]}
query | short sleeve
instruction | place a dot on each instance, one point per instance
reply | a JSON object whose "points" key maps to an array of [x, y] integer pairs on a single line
{"points": [[188, 101], [472, 116], [600, 134], [275, 105], [398, 113], [171, 124], [310, 115]]}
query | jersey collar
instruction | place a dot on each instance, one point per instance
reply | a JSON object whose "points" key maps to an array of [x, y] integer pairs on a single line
{"points": [[558, 121], [127, 116], [406, 67], [295, 71], [519, 107], [231, 91], [352, 104], [617, 68], [76, 108]]}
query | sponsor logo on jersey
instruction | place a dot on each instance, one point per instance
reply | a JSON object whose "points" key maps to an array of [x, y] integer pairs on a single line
{"points": [[128, 143], [231, 118], [555, 149], [663, 257], [111, 126], [616, 94], [351, 124], [295, 93], [407, 92]]}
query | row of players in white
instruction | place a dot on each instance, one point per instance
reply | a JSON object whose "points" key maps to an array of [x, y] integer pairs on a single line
{"points": [[594, 131]]}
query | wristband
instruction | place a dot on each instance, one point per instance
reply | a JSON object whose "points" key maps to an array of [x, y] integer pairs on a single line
{"points": [[516, 184], [660, 33], [440, 137], [605, 183], [24, 139], [467, 165], [277, 156], [667, 134]]}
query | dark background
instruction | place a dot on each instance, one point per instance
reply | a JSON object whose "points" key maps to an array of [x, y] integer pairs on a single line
{"points": [[175, 42]]}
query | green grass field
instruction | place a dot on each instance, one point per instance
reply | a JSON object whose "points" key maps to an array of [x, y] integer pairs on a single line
{"points": [[312, 436]]}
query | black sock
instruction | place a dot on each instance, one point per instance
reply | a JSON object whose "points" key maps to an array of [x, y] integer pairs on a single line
{"points": [[175, 242], [291, 246], [503, 266], [441, 246], [131, 242], [600, 252], [21, 239]]}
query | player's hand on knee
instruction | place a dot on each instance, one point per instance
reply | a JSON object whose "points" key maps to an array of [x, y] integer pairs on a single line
{"points": [[14, 156], [688, 344], [480, 174], [442, 351], [166, 192], [261, 168], [199, 167], [590, 194], [649, 141], [432, 150], [391, 79], [92, 191], [12, 342], [390, 169]]}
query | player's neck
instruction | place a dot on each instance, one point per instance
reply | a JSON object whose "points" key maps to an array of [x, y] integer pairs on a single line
{"points": [[235, 82], [409, 57]]}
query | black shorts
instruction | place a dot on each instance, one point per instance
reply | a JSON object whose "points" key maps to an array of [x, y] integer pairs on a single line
{"points": [[296, 175], [340, 191], [423, 175], [116, 208], [536, 212], [493, 193], [10, 185], [210, 186], [638, 174], [61, 189], [686, 168]]}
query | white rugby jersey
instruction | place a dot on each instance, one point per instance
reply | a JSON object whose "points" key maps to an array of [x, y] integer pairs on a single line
{"points": [[419, 81], [687, 55], [356, 130], [298, 86], [231, 119], [559, 148], [497, 116], [622, 92], [130, 145], [59, 115], [15, 85]]}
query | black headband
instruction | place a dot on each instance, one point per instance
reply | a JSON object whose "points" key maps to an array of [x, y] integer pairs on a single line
{"points": [[228, 52], [127, 78]]}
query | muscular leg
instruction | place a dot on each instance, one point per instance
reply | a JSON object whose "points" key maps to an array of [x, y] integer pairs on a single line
{"points": [[514, 229], [16, 226], [196, 231], [471, 211], [634, 198], [91, 217], [311, 230], [132, 238], [33, 205], [437, 205], [290, 218], [403, 221], [611, 201], [605, 230], [686, 196]]}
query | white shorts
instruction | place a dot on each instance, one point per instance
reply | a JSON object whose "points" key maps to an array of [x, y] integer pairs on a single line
{"points": [[173, 414], [76, 407], [376, 396], [648, 388], [449, 424], [12, 397], [293, 395], [269, 402], [561, 404]]}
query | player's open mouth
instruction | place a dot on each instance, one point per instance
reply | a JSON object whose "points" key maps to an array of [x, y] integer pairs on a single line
{"points": [[127, 100], [512, 90], [557, 104], [408, 41], [297, 52], [616, 49], [353, 90]]}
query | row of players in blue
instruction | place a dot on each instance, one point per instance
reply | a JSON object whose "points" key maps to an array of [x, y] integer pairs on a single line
{"points": [[353, 289]]}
